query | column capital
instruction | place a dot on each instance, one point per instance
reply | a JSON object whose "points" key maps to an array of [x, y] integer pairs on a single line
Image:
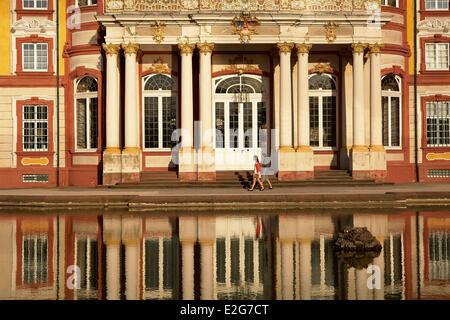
{"points": [[375, 48], [205, 47], [359, 47], [303, 48], [130, 48], [111, 49], [285, 47], [186, 47]]}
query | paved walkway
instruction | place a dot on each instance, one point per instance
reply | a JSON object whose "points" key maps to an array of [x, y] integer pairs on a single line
{"points": [[402, 195]]}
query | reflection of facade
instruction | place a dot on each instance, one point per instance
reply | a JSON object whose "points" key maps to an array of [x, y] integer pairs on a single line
{"points": [[218, 257], [337, 89]]}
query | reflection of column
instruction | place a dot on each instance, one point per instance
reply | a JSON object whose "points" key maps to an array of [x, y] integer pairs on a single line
{"points": [[360, 152], [287, 163], [187, 168], [379, 261], [188, 236], [112, 238], [351, 289], [206, 167], [287, 269], [305, 158], [361, 284], [206, 237], [377, 152], [305, 269], [131, 237], [111, 156], [287, 230]]}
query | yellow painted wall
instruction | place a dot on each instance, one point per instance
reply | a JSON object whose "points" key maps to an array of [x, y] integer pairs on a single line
{"points": [[410, 32], [62, 32], [5, 43]]}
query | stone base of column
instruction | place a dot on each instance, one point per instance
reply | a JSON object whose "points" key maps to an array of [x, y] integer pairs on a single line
{"points": [[112, 166], [304, 163], [187, 167], [360, 163], [131, 165], [378, 163], [206, 158], [287, 168]]}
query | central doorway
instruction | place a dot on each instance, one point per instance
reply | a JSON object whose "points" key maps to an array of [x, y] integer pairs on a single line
{"points": [[240, 120]]}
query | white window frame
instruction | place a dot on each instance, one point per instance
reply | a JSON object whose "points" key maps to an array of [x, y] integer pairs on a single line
{"points": [[160, 94], [34, 5], [35, 121], [87, 5], [435, 45], [386, 3], [88, 291], [394, 94], [320, 93], [435, 8], [88, 96], [435, 103], [35, 69]]}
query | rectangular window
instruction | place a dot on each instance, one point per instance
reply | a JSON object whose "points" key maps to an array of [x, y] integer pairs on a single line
{"points": [[314, 121], [35, 128], [436, 4], [87, 261], [35, 4], [437, 56], [248, 124], [35, 56], [160, 121], [87, 115], [34, 259], [234, 124], [390, 3], [262, 126], [391, 121], [438, 123], [220, 125], [83, 3]]}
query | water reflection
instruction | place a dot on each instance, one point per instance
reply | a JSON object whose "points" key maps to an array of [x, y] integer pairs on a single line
{"points": [[218, 256]]}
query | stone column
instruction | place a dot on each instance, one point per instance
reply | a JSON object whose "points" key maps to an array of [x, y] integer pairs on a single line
{"points": [[287, 269], [305, 156], [377, 151], [187, 168], [360, 163], [131, 237], [287, 159], [112, 159], [206, 154], [112, 239], [131, 155]]}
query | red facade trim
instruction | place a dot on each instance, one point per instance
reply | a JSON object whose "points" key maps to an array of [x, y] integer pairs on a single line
{"points": [[34, 39], [24, 12]]}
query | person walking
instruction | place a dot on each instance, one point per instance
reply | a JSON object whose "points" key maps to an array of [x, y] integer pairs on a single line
{"points": [[257, 175], [265, 173]]}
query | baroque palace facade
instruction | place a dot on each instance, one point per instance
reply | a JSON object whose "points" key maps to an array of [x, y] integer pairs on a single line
{"points": [[202, 86]]}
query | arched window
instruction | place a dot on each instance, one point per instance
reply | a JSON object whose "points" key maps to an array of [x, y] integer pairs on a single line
{"points": [[239, 84], [391, 108], [86, 113], [160, 111], [322, 110]]}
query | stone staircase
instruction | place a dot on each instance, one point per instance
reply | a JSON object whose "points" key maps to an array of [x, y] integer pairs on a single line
{"points": [[242, 179]]}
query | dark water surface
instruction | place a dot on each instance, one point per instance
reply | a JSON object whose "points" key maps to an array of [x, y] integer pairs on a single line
{"points": [[216, 255]]}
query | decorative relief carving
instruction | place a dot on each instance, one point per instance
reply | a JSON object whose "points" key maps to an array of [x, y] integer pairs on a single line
{"points": [[111, 48], [159, 66], [33, 26], [205, 47], [186, 47], [285, 47], [241, 64], [130, 48], [158, 31], [359, 47], [438, 156], [322, 67], [241, 5], [435, 25], [303, 48], [331, 31], [375, 48], [245, 26]]}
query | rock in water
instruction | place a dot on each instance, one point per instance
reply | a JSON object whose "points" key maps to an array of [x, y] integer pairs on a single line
{"points": [[356, 247]]}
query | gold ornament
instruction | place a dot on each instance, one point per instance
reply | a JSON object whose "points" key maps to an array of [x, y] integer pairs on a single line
{"points": [[331, 31], [158, 31], [111, 48]]}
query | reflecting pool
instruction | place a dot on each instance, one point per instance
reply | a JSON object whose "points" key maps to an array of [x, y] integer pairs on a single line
{"points": [[220, 255]]}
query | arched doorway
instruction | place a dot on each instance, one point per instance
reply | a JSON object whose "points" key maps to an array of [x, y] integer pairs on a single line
{"points": [[240, 119]]}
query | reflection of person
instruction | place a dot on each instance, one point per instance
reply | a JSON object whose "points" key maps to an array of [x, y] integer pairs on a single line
{"points": [[257, 175]]}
